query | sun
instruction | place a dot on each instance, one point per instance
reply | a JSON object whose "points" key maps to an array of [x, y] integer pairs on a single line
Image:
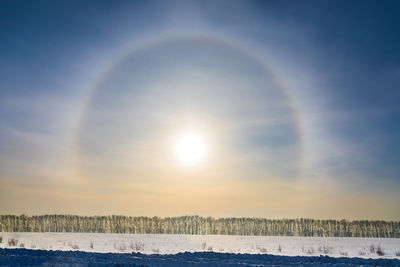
{"points": [[190, 148]]}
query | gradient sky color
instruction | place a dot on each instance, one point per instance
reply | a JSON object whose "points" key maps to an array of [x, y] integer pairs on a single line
{"points": [[298, 101]]}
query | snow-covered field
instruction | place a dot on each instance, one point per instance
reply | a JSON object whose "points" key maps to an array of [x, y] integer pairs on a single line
{"points": [[30, 257], [172, 244]]}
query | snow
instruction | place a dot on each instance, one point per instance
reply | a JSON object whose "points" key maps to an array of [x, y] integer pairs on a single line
{"points": [[173, 244], [30, 257]]}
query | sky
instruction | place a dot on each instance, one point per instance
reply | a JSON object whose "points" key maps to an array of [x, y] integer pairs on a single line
{"points": [[295, 104]]}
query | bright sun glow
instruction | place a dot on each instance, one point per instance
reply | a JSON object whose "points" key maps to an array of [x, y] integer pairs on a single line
{"points": [[190, 148]]}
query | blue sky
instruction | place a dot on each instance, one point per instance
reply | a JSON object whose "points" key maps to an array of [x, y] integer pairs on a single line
{"points": [[299, 98]]}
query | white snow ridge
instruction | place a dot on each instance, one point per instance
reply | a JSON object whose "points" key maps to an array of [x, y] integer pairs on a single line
{"points": [[172, 244]]}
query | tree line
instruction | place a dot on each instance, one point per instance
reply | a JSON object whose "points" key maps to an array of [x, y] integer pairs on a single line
{"points": [[196, 225]]}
